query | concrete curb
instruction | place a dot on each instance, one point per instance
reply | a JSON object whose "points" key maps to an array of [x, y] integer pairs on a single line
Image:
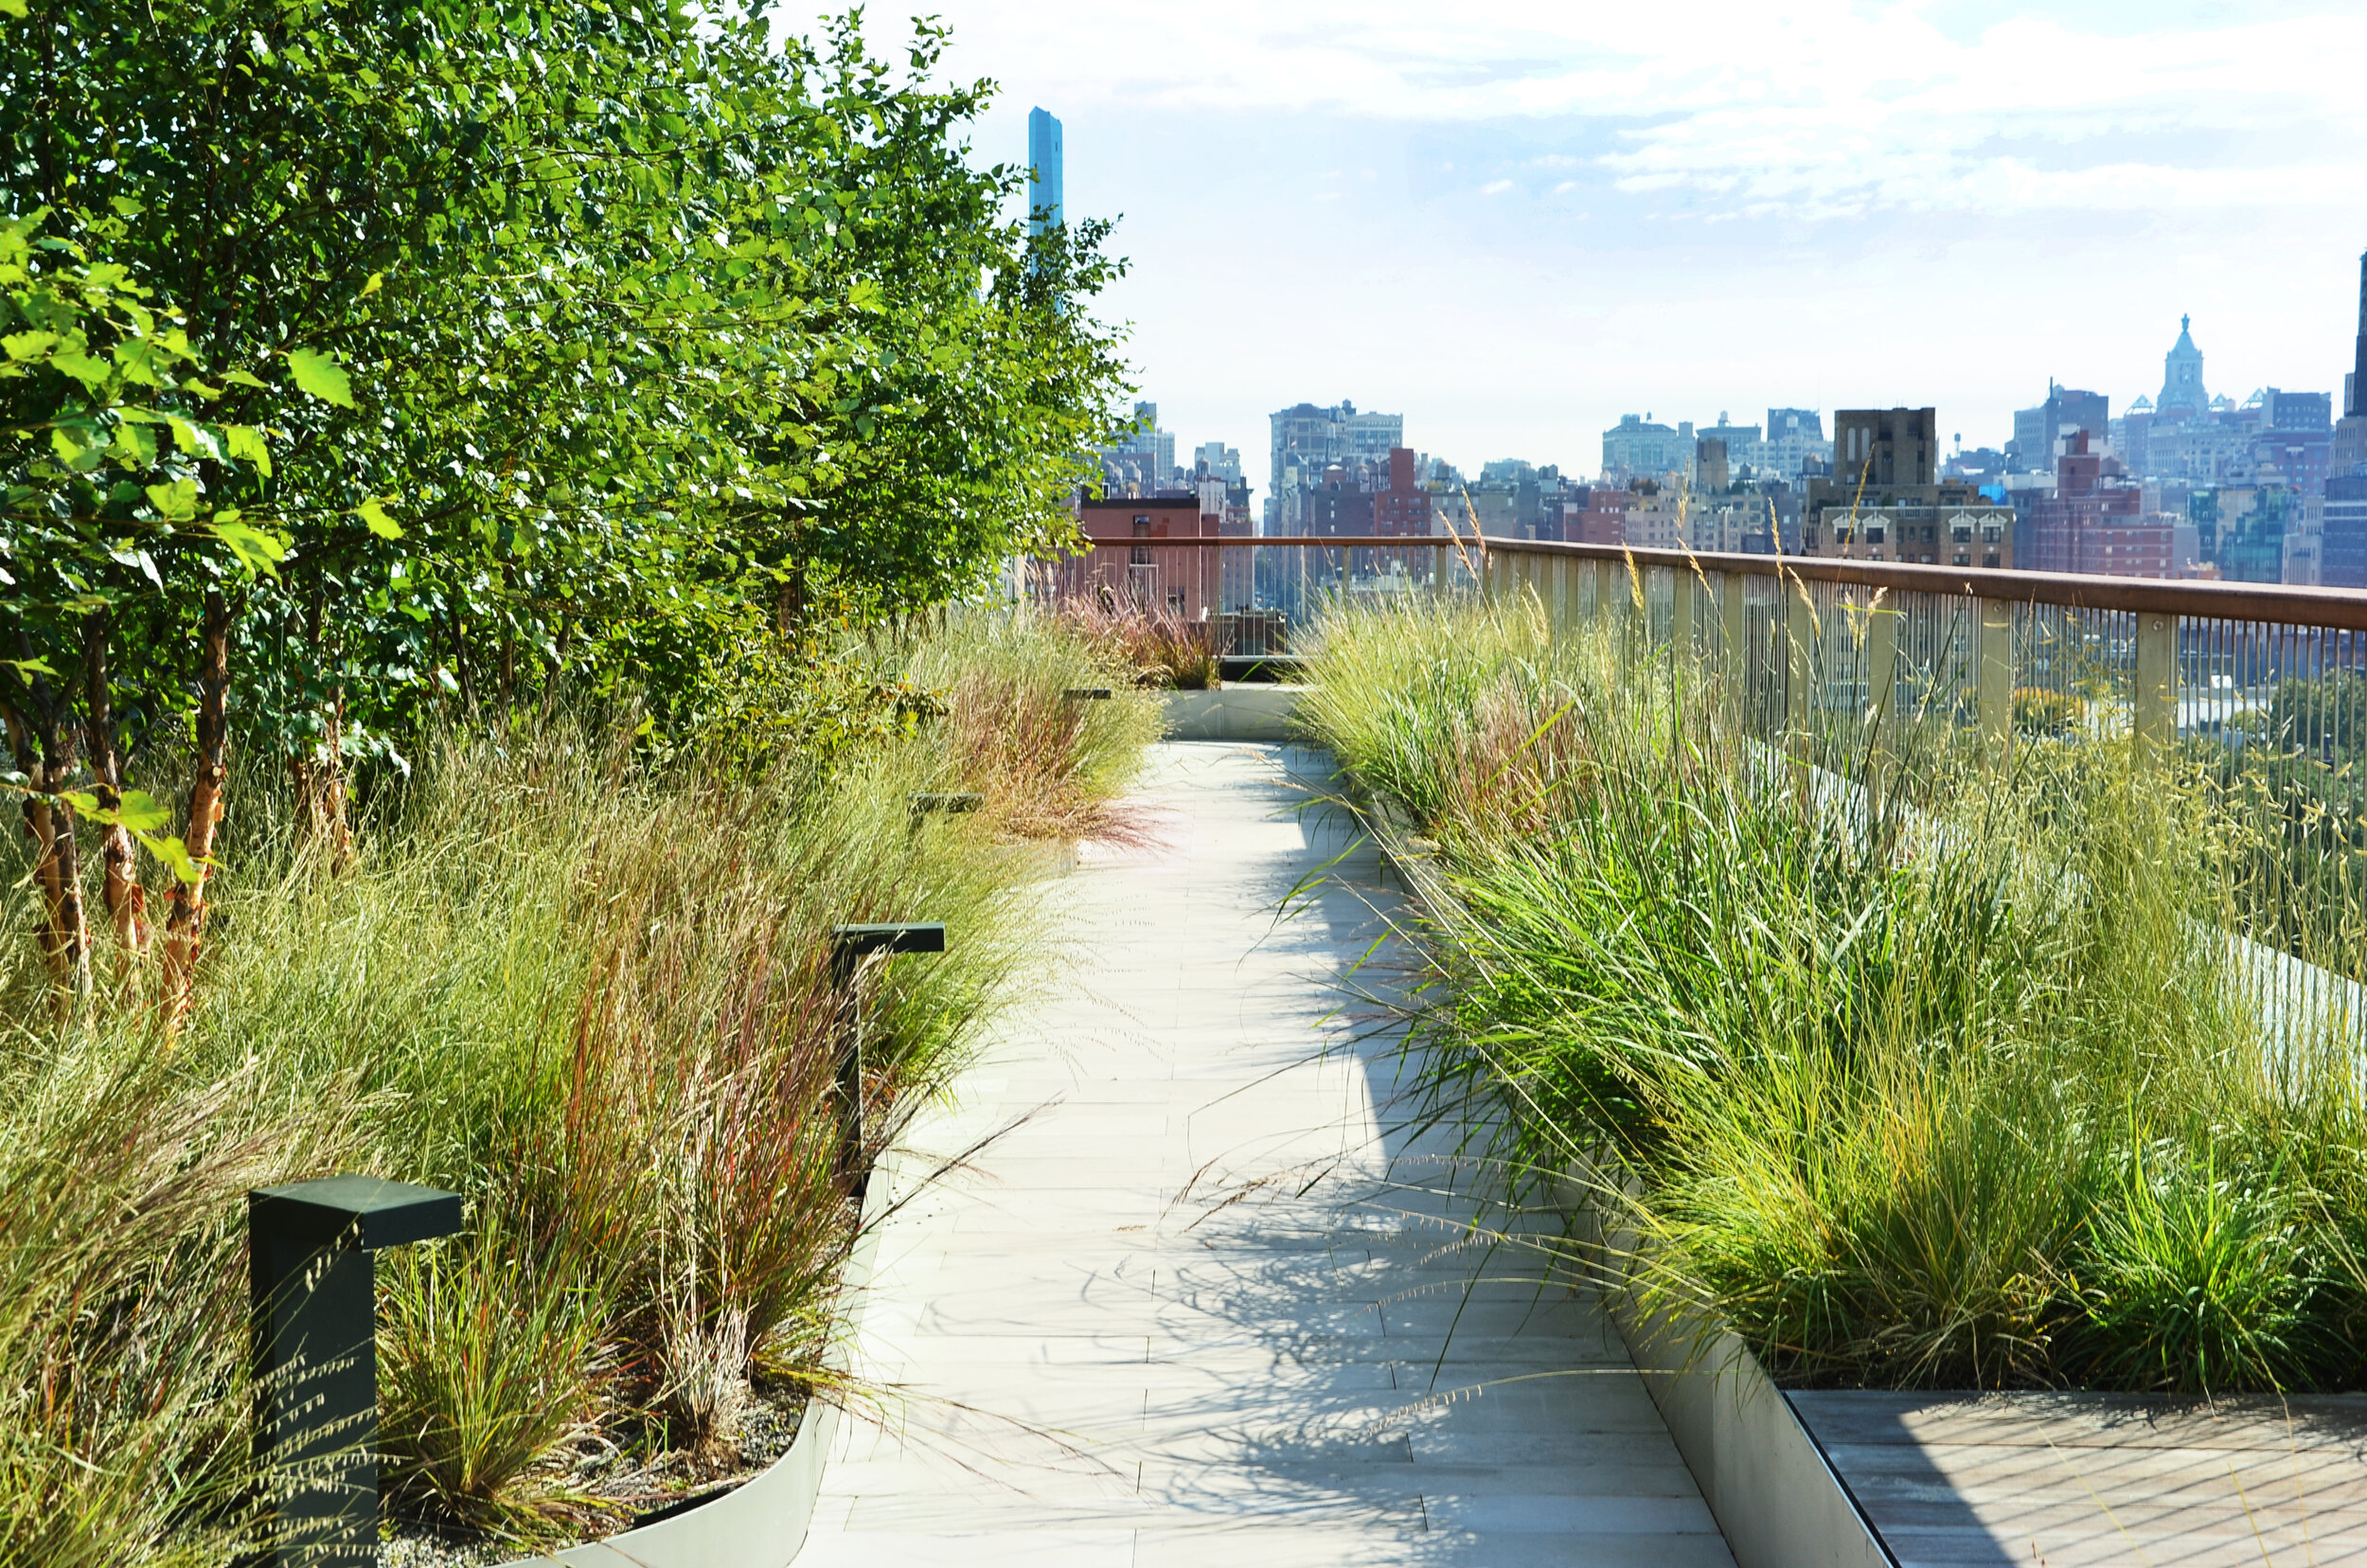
{"points": [[1246, 712], [761, 1523]]}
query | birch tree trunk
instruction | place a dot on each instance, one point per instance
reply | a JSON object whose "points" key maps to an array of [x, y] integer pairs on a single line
{"points": [[125, 899], [184, 928]]}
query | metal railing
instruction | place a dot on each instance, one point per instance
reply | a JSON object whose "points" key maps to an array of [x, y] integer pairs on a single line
{"points": [[1248, 595], [1902, 682], [2002, 651], [1871, 670]]}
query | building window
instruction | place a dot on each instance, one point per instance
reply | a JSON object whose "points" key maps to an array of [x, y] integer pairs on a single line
{"points": [[1963, 560], [1989, 560], [1142, 528], [1138, 556]]}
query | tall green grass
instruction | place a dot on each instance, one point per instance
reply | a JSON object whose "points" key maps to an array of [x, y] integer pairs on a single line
{"points": [[590, 996], [1974, 1095]]}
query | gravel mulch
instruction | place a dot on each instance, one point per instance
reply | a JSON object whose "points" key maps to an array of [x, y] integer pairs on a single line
{"points": [[767, 1426]]}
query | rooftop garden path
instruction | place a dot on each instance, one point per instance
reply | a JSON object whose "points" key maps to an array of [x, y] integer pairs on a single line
{"points": [[1197, 1303]]}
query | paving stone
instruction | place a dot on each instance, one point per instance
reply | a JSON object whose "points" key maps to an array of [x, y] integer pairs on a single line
{"points": [[1197, 1303]]}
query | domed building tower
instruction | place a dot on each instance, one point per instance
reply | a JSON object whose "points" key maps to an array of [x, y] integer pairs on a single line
{"points": [[2181, 376]]}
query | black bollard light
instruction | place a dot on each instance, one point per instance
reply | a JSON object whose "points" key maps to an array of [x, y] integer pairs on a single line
{"points": [[928, 802], [850, 946], [1086, 694], [311, 1247]]}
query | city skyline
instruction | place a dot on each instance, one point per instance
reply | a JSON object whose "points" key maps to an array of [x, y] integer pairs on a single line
{"points": [[1520, 225]]}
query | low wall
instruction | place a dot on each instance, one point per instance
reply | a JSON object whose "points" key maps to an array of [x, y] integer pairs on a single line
{"points": [[1247, 712], [1779, 1500]]}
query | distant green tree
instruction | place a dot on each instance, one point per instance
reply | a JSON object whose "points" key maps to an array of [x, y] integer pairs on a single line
{"points": [[2326, 716]]}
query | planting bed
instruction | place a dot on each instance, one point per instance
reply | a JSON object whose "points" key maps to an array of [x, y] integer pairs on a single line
{"points": [[1967, 1092], [591, 993]]}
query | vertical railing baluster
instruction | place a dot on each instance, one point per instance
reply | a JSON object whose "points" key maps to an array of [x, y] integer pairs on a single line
{"points": [[1995, 680], [2155, 698], [1800, 666], [1733, 655], [1615, 598], [1680, 618], [1881, 657]]}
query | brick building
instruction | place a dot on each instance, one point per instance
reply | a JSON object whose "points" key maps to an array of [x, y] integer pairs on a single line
{"points": [[1404, 505], [1128, 564], [1600, 517], [1885, 500], [2096, 522]]}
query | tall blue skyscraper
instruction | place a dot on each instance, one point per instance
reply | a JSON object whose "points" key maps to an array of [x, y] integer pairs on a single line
{"points": [[1043, 171]]}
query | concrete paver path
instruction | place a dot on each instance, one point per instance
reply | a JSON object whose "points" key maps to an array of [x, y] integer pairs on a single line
{"points": [[1195, 1306]]}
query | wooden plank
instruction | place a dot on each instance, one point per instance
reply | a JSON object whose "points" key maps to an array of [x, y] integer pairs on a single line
{"points": [[1851, 1415], [2066, 1480]]}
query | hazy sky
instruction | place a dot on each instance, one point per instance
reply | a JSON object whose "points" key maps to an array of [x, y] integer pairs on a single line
{"points": [[1513, 223]]}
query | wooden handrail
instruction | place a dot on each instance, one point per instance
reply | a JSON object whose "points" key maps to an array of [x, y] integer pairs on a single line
{"points": [[2340, 609], [1300, 541]]}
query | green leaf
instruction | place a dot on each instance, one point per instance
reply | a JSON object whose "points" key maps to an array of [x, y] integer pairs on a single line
{"points": [[247, 445], [177, 499], [192, 439], [73, 451], [90, 372], [319, 375], [171, 850], [142, 813], [25, 346], [135, 362], [11, 7], [374, 514], [246, 378], [258, 550], [135, 446]]}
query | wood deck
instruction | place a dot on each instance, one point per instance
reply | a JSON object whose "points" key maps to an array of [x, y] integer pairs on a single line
{"points": [[2071, 1479]]}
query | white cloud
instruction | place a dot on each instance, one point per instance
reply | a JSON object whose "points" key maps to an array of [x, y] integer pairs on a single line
{"points": [[1815, 110], [1744, 202]]}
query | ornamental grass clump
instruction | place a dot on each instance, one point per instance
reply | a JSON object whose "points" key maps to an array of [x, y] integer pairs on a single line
{"points": [[1025, 727], [590, 992], [1969, 1088], [1158, 645]]}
